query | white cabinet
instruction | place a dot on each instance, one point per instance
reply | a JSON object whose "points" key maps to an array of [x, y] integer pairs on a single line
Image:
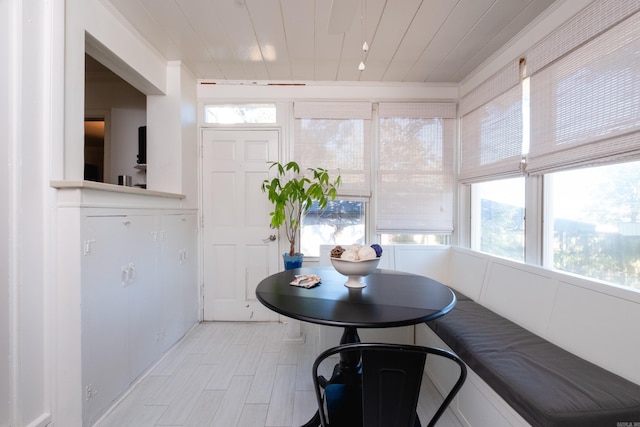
{"points": [[139, 297], [177, 257], [105, 311], [189, 266], [145, 294]]}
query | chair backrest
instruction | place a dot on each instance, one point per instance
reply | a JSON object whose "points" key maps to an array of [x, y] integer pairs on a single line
{"points": [[390, 385]]}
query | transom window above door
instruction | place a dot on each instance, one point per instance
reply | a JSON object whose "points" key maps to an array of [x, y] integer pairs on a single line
{"points": [[240, 114]]}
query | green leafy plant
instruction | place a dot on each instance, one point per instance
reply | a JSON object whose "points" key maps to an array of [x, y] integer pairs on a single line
{"points": [[293, 193]]}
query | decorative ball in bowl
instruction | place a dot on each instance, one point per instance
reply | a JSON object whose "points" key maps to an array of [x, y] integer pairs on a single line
{"points": [[355, 270]]}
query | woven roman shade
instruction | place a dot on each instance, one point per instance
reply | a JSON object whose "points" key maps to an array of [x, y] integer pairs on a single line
{"points": [[415, 168], [335, 136]]}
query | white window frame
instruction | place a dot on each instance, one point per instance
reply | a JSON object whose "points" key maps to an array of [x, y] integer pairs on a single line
{"points": [[246, 105]]}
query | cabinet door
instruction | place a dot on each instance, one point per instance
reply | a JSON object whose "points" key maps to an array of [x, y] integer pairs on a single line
{"points": [[191, 300], [170, 272], [145, 294], [105, 346]]}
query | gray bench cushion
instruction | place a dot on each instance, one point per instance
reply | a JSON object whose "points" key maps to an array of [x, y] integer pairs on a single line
{"points": [[545, 384]]}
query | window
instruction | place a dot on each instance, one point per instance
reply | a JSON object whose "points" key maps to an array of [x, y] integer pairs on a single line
{"points": [[240, 114], [341, 223], [493, 140], [593, 222], [414, 193], [492, 127], [498, 217], [414, 169], [335, 136], [584, 107], [580, 135]]}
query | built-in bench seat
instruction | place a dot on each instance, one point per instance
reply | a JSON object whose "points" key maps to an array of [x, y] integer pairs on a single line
{"points": [[582, 323], [546, 385]]}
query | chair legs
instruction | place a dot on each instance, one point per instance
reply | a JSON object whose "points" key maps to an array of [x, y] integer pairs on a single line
{"points": [[383, 391]]}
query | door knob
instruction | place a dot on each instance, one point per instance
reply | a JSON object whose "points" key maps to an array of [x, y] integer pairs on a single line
{"points": [[271, 238]]}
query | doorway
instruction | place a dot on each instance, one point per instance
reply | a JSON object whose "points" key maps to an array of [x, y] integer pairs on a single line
{"points": [[238, 249], [94, 153], [97, 145]]}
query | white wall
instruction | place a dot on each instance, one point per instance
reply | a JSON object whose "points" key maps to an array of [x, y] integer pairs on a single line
{"points": [[113, 43], [89, 24], [189, 124], [27, 131], [8, 75], [94, 26], [124, 143], [172, 139]]}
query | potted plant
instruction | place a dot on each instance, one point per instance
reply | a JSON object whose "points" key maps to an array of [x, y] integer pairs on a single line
{"points": [[292, 194]]}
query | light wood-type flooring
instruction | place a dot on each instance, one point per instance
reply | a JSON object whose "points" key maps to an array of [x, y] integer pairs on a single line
{"points": [[227, 374]]}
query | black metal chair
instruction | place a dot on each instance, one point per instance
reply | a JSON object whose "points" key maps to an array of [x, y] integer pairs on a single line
{"points": [[386, 389]]}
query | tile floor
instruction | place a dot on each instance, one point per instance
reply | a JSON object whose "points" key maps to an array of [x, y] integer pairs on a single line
{"points": [[233, 374]]}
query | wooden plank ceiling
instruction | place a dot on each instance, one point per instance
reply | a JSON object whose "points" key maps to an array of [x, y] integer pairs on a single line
{"points": [[308, 40]]}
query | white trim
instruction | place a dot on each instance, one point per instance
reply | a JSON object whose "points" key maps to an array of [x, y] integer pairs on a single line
{"points": [[14, 217], [533, 203], [318, 91]]}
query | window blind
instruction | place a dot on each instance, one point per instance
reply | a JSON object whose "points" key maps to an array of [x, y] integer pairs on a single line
{"points": [[415, 168], [335, 136], [491, 135], [587, 24], [585, 106]]}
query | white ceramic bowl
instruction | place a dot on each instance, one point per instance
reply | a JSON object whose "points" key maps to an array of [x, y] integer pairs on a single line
{"points": [[355, 270]]}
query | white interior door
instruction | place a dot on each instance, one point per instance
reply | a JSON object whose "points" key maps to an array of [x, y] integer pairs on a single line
{"points": [[238, 251]]}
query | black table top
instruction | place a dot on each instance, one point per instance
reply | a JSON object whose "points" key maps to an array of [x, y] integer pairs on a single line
{"points": [[390, 299]]}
